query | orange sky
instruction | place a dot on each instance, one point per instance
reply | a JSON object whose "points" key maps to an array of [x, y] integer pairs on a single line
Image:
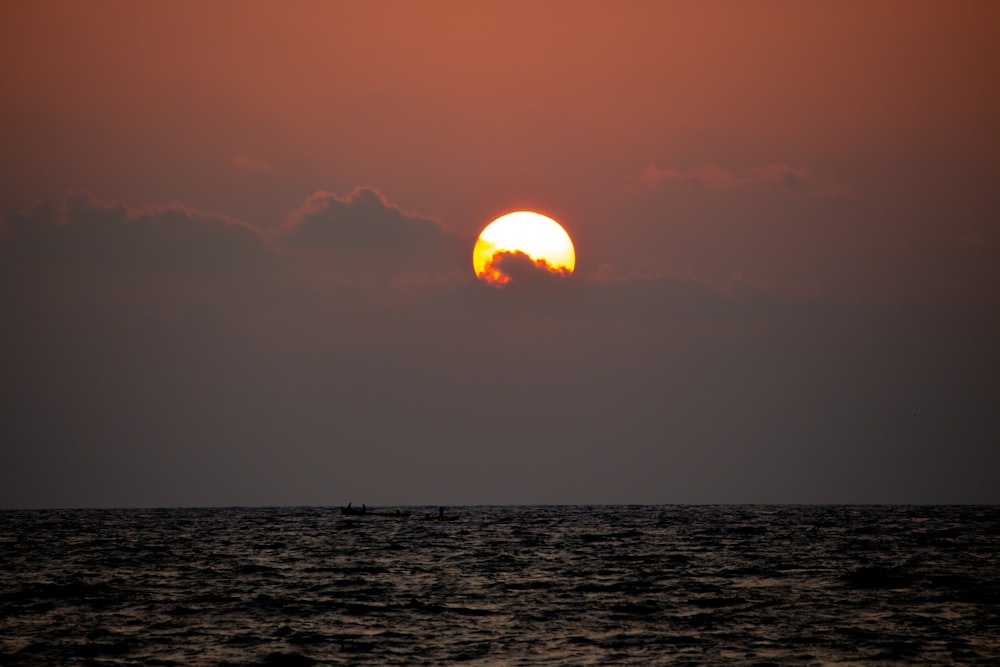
{"points": [[466, 111], [832, 152], [454, 108]]}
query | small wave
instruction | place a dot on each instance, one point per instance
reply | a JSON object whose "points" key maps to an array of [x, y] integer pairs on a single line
{"points": [[637, 608], [717, 603]]}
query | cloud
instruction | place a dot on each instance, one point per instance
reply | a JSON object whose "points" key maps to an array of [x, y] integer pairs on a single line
{"points": [[363, 232], [713, 178], [157, 355], [250, 164], [334, 241], [518, 269], [83, 234]]}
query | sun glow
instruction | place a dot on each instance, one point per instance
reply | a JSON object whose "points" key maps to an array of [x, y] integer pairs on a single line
{"points": [[537, 236]]}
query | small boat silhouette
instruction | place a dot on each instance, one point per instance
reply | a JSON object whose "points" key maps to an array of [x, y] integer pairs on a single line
{"points": [[364, 511]]}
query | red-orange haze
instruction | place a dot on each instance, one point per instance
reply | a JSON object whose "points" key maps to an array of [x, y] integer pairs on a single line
{"points": [[235, 244]]}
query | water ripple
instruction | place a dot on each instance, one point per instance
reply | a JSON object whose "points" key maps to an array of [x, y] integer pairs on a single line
{"points": [[516, 585]]}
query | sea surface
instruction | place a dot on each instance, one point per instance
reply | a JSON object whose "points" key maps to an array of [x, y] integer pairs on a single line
{"points": [[673, 585]]}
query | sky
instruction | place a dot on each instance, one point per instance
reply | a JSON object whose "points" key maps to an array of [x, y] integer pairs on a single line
{"points": [[236, 253]]}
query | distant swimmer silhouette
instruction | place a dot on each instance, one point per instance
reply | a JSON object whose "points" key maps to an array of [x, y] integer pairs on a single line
{"points": [[440, 516]]}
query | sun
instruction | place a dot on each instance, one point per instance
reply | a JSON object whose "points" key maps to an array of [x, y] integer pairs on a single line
{"points": [[538, 236]]}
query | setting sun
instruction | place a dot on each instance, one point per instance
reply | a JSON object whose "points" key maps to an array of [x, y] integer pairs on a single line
{"points": [[539, 237]]}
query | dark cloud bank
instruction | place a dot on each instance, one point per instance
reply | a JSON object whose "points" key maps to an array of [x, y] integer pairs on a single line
{"points": [[165, 356]]}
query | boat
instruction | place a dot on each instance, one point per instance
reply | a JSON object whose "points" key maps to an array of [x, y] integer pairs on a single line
{"points": [[364, 511]]}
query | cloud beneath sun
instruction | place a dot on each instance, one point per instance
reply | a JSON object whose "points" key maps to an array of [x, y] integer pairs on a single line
{"points": [[518, 270]]}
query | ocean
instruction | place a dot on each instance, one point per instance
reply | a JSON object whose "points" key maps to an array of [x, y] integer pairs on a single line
{"points": [[548, 585]]}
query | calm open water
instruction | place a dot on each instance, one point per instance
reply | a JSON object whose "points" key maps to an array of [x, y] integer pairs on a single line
{"points": [[502, 585]]}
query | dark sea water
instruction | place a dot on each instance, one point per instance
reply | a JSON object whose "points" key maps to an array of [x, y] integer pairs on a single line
{"points": [[502, 585]]}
